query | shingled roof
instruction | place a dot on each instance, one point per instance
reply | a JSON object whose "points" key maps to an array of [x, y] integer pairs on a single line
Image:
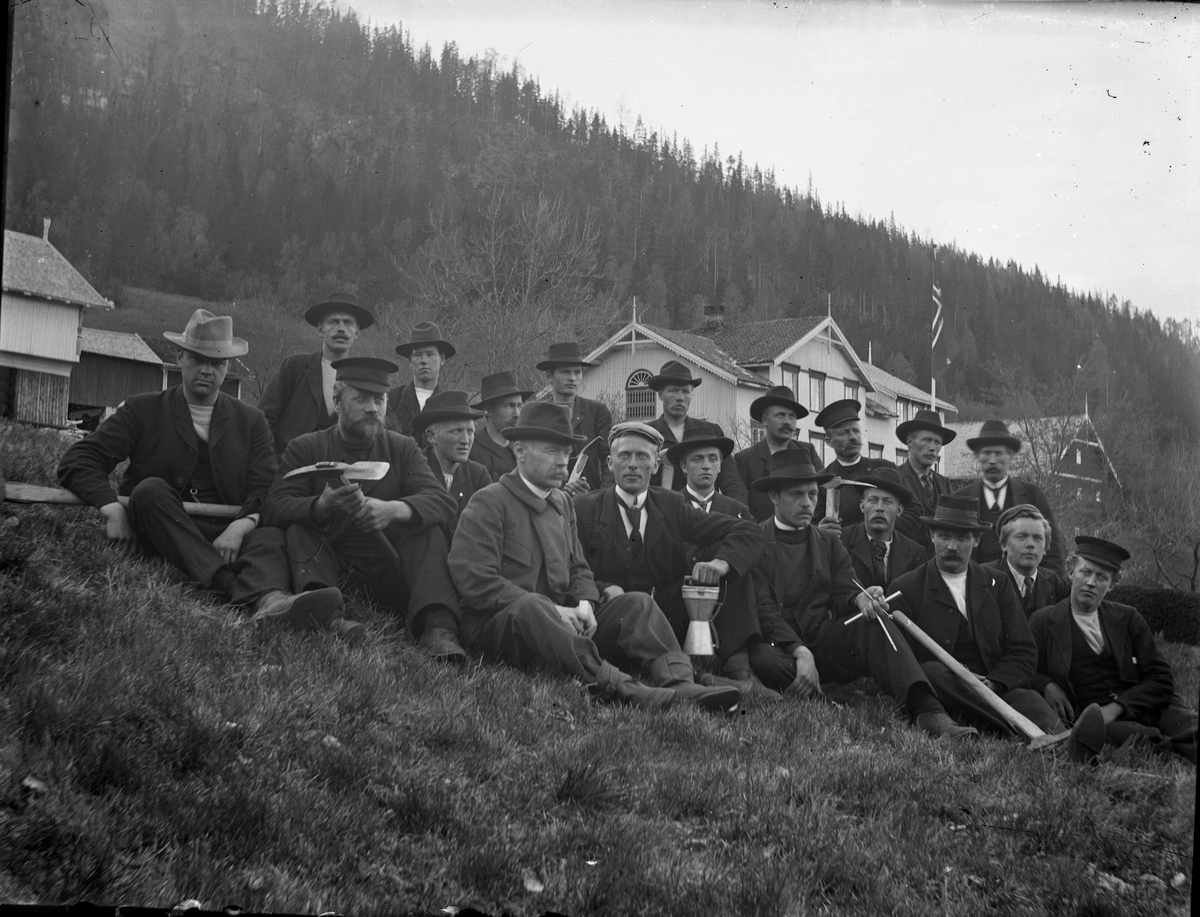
{"points": [[898, 388], [119, 344], [34, 267], [759, 342], [708, 350]]}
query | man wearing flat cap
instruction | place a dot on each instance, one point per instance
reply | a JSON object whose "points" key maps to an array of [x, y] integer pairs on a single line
{"points": [[923, 437], [779, 413], [299, 399], [995, 491], [500, 399], [447, 425], [817, 626], [1094, 653], [975, 615], [877, 551], [386, 536], [193, 442], [530, 596], [590, 419], [675, 385], [1024, 534], [426, 351], [638, 538], [843, 432]]}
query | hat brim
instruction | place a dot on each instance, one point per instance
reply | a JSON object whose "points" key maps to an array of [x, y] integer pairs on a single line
{"points": [[525, 396], [982, 442], [912, 426], [780, 481], [365, 385], [658, 383], [548, 365], [935, 523], [903, 494], [425, 419], [677, 452], [314, 315], [213, 350], [542, 435], [447, 349], [758, 405]]}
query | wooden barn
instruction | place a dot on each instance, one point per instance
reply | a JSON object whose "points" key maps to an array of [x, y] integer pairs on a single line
{"points": [[41, 319], [112, 366], [738, 363]]}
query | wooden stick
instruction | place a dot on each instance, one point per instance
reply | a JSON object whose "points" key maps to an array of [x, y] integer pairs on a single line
{"points": [[35, 493], [880, 620], [1017, 721], [862, 614]]}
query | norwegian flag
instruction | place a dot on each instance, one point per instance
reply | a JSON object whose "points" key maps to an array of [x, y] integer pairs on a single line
{"points": [[937, 360]]}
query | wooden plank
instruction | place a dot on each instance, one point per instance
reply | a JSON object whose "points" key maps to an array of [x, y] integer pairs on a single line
{"points": [[35, 493]]}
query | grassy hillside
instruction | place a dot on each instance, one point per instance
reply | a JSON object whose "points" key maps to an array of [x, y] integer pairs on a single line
{"points": [[176, 756]]}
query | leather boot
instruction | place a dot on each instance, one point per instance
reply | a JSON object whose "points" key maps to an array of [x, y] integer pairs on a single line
{"points": [[307, 611], [940, 725], [613, 684], [739, 674], [1087, 735], [674, 671]]}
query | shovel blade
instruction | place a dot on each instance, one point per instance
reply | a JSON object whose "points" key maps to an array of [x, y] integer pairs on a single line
{"points": [[331, 471]]}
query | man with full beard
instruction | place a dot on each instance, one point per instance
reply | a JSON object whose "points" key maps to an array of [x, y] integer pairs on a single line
{"points": [[333, 531]]}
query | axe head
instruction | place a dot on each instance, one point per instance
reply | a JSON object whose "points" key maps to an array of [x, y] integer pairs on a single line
{"points": [[333, 471]]}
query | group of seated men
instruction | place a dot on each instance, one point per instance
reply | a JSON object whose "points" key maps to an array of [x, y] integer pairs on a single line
{"points": [[540, 532]]}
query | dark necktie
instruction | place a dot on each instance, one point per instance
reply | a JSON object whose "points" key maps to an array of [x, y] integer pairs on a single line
{"points": [[1028, 594], [701, 505], [927, 485], [998, 506], [879, 556], [635, 520]]}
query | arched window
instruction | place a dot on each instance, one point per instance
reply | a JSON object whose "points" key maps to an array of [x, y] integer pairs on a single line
{"points": [[639, 397]]}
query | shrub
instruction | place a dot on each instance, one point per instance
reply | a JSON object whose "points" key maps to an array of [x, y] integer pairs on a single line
{"points": [[1174, 614]]}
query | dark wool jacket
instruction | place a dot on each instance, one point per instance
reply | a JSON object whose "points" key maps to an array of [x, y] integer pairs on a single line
{"points": [[154, 431], [403, 406], [755, 463], [498, 460], [729, 482], [1001, 631], [849, 512], [1048, 589], [468, 478], [909, 523], [1148, 684], [905, 555], [1018, 492]]}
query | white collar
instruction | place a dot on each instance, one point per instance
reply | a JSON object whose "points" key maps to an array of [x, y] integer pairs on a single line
{"points": [[997, 487], [1019, 576], [537, 491], [848, 464], [631, 502], [697, 496], [784, 527]]}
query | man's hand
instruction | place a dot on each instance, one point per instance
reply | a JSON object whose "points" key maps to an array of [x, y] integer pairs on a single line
{"points": [[339, 502], [807, 682], [229, 542], [376, 515], [611, 592], [1057, 698], [873, 603], [577, 487], [829, 524], [116, 523], [581, 619], [709, 572]]}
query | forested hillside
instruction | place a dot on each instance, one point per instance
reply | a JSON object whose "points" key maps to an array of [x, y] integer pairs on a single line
{"points": [[233, 148]]}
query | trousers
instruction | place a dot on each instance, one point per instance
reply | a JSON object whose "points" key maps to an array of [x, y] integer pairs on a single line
{"points": [[156, 512], [970, 709]]}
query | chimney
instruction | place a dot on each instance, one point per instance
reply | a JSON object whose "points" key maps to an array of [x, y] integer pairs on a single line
{"points": [[714, 315], [45, 229]]}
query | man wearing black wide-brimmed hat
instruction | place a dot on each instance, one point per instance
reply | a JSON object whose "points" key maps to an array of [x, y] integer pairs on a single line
{"points": [[299, 398], [193, 442], [779, 413], [877, 550], [447, 425], [334, 532], [500, 399], [529, 595], [843, 432], [923, 437], [426, 351], [974, 614], [590, 419], [675, 384], [816, 625], [995, 491], [1093, 652]]}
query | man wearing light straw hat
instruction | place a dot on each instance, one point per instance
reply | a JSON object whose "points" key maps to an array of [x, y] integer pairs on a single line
{"points": [[817, 625], [193, 441]]}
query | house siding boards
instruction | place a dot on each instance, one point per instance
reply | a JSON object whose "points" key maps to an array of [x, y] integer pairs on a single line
{"points": [[40, 328], [40, 398], [103, 381]]}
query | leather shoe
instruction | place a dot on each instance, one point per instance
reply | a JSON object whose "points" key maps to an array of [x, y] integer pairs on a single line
{"points": [[1087, 735], [442, 645], [305, 611], [940, 725], [751, 687], [716, 699], [353, 632]]}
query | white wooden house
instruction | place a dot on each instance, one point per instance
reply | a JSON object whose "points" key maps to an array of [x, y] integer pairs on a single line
{"points": [[41, 321], [738, 363]]}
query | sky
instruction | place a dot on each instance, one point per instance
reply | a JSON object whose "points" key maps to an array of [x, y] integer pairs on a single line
{"points": [[1058, 135]]}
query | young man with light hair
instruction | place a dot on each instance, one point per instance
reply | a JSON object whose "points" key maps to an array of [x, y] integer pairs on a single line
{"points": [[1024, 534]]}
